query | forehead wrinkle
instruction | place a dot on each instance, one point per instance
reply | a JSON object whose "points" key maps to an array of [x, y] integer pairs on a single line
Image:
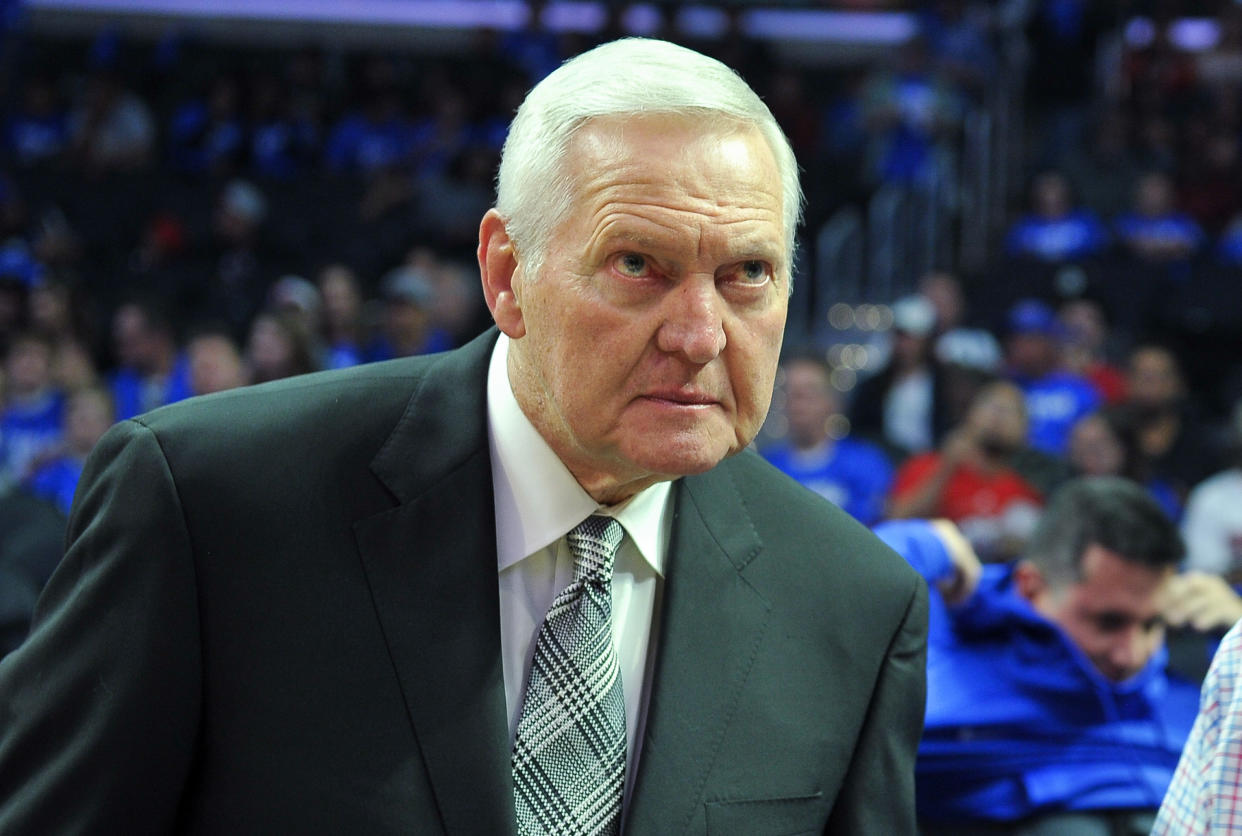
{"points": [[736, 237]]}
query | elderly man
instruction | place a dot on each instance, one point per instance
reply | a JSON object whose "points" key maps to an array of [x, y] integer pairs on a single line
{"points": [[1049, 708], [531, 586]]}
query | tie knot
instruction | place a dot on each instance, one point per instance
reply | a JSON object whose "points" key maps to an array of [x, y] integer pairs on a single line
{"points": [[593, 543]]}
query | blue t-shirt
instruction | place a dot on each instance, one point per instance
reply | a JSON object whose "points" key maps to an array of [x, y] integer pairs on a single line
{"points": [[134, 395], [1175, 228], [1077, 235], [360, 144], [28, 432], [854, 475], [1054, 403]]}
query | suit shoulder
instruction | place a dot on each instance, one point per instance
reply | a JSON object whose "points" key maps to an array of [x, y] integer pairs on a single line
{"points": [[807, 529], [349, 397]]}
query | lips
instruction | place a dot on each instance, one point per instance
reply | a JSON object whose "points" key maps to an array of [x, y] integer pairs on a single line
{"points": [[682, 397]]}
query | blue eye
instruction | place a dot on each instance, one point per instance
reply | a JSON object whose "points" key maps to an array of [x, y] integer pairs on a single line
{"points": [[632, 264], [753, 272]]}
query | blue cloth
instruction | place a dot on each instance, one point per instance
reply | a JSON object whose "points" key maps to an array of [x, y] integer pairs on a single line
{"points": [[33, 139], [133, 395], [57, 480], [197, 143], [281, 147], [1175, 227], [28, 432], [853, 475], [1019, 722], [1054, 403], [1077, 235], [360, 144]]}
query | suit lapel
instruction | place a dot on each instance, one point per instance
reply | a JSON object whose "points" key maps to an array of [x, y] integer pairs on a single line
{"points": [[712, 621], [431, 566]]}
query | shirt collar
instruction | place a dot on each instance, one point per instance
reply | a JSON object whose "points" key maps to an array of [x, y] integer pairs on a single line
{"points": [[537, 499]]}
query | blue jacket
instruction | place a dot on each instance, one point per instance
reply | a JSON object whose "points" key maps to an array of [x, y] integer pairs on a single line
{"points": [[1019, 722]]}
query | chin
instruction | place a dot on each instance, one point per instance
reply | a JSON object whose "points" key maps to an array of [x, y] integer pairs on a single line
{"points": [[673, 460]]}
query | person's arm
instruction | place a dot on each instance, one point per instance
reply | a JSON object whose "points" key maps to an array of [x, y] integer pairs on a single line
{"points": [[939, 552], [924, 497], [99, 707], [1205, 795], [878, 793]]}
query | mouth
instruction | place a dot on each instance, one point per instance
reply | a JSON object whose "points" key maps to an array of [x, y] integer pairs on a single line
{"points": [[681, 397]]}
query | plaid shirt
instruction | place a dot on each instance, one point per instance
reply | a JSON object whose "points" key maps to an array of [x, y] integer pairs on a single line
{"points": [[1206, 794]]}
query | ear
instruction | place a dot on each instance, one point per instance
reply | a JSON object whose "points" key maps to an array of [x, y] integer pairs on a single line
{"points": [[498, 264], [1030, 582]]}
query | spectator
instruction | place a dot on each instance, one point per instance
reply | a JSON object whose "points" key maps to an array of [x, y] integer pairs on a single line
{"points": [[207, 135], [1055, 398], [1229, 247], [904, 405], [909, 113], [215, 362], [1104, 444], [19, 272], [1054, 230], [32, 417], [958, 40], [1213, 523], [1178, 445], [278, 347], [1208, 189], [408, 326], [956, 342], [241, 262], [852, 474], [1102, 172], [343, 329], [1084, 327], [1049, 707], [298, 299], [111, 128], [88, 414], [38, 133], [1155, 231], [380, 136], [151, 372], [971, 480], [282, 142]]}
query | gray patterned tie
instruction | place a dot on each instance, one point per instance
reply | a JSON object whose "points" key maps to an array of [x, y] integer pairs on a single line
{"points": [[569, 751]]}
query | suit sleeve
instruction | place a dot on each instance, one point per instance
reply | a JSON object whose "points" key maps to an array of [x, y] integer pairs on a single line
{"points": [[99, 707], [878, 794]]}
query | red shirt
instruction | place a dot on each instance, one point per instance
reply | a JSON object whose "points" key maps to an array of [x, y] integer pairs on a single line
{"points": [[970, 493]]}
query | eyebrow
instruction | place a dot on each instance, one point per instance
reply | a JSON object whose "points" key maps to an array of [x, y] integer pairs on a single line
{"points": [[739, 249]]}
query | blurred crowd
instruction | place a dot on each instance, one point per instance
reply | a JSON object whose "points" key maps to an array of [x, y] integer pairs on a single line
{"points": [[179, 217]]}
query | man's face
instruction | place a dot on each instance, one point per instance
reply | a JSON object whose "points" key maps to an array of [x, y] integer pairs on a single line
{"points": [[1153, 377], [809, 403], [1112, 613], [647, 346]]}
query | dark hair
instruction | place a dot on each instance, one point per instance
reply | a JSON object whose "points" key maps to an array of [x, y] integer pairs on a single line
{"points": [[1108, 511]]}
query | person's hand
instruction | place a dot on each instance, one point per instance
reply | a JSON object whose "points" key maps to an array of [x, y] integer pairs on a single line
{"points": [[1201, 601], [959, 586], [958, 446]]}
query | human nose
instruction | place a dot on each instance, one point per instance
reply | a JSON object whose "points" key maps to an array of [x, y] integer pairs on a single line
{"points": [[1129, 651], [693, 323]]}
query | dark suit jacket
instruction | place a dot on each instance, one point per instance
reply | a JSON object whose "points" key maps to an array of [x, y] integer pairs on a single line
{"points": [[279, 614]]}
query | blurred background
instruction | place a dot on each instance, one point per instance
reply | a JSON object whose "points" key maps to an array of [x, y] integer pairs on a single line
{"points": [[199, 194]]}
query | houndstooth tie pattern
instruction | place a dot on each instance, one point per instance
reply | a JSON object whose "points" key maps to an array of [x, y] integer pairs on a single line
{"points": [[569, 751]]}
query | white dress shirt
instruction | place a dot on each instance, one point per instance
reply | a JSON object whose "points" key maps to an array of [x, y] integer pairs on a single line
{"points": [[538, 502]]}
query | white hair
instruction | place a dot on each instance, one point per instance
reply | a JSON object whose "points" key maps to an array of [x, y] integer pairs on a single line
{"points": [[534, 191]]}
